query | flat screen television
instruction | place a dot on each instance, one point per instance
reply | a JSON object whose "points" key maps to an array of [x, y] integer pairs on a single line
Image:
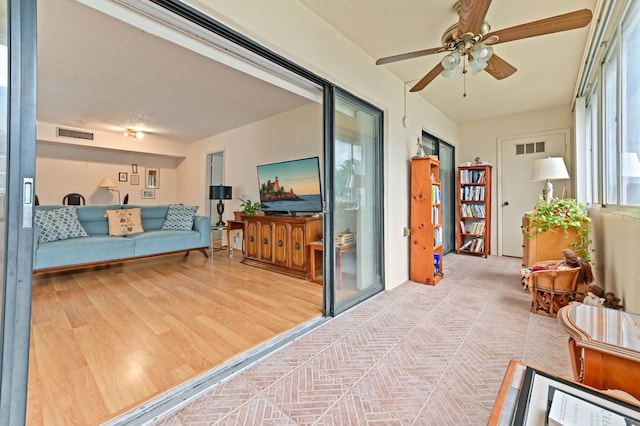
{"points": [[290, 187]]}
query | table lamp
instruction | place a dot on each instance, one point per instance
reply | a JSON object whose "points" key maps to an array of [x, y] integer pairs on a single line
{"points": [[548, 169], [220, 192]]}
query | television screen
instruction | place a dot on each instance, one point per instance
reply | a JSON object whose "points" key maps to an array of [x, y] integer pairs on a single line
{"points": [[290, 186]]}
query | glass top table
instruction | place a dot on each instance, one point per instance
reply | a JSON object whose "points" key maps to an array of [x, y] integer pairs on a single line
{"points": [[608, 326], [604, 346]]}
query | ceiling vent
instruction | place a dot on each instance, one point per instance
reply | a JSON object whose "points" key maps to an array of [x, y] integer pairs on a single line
{"points": [[67, 133]]}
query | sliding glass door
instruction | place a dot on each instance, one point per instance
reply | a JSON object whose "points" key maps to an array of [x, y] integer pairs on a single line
{"points": [[17, 167], [357, 233]]}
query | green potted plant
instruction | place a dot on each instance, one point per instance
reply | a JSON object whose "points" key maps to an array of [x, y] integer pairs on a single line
{"points": [[249, 208], [566, 214]]}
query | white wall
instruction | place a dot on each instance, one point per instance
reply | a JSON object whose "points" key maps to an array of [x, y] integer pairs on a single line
{"points": [[480, 139], [63, 169], [615, 258], [302, 37], [287, 136]]}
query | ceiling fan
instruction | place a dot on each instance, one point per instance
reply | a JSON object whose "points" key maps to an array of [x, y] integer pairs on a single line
{"points": [[470, 41]]}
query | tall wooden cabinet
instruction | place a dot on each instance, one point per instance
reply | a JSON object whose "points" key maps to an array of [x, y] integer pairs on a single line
{"points": [[280, 243], [426, 222], [474, 210]]}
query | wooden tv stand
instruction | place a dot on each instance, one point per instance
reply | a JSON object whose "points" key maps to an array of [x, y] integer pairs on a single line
{"points": [[280, 243]]}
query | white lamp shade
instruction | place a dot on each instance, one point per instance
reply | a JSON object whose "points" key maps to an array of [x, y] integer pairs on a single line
{"points": [[549, 168], [106, 183], [630, 164]]}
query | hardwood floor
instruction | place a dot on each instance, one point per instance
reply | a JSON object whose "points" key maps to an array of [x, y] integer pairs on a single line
{"points": [[105, 340]]}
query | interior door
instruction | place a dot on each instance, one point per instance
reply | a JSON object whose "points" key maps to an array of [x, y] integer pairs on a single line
{"points": [[519, 193]]}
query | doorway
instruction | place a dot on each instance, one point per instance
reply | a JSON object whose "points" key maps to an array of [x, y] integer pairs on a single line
{"points": [[518, 193], [446, 155]]}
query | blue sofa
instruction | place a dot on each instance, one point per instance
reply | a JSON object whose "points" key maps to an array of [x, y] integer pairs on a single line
{"points": [[100, 248]]}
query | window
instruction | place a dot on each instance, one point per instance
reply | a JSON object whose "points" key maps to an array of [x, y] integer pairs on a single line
{"points": [[613, 107], [609, 71], [630, 108]]}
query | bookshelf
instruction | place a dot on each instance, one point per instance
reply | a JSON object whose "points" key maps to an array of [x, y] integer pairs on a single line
{"points": [[474, 210], [426, 222]]}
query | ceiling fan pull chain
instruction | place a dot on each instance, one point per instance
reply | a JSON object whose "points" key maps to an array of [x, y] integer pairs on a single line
{"points": [[464, 77]]}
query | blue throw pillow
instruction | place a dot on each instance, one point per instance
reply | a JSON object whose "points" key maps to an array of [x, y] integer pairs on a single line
{"points": [[180, 217], [58, 224]]}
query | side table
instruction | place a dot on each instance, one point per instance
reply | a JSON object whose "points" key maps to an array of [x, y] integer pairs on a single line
{"points": [[218, 228], [340, 250], [233, 225]]}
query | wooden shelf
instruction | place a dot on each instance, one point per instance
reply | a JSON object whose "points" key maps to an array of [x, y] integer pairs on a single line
{"points": [[474, 210], [427, 230]]}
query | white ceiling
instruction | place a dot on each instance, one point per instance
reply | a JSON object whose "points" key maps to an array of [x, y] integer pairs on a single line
{"points": [[98, 73], [95, 72], [547, 65]]}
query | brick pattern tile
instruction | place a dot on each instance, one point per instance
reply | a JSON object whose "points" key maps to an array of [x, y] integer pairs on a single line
{"points": [[416, 355]]}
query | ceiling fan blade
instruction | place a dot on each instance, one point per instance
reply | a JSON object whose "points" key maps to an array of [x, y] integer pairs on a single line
{"points": [[499, 68], [427, 78], [409, 55], [472, 14], [555, 24]]}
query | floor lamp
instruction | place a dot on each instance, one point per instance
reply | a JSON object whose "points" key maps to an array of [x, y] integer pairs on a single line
{"points": [[109, 185], [220, 192]]}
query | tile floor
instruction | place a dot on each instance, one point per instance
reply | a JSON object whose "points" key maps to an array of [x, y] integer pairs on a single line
{"points": [[415, 355]]}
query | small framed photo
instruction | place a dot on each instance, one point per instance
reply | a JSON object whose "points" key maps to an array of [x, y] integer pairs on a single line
{"points": [[135, 179], [148, 193], [134, 169], [122, 177], [152, 178]]}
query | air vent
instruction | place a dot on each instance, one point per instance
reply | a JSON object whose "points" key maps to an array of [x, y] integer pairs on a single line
{"points": [[67, 133]]}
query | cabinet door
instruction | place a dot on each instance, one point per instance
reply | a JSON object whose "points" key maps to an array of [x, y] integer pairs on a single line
{"points": [[251, 230], [280, 243], [298, 247], [266, 248]]}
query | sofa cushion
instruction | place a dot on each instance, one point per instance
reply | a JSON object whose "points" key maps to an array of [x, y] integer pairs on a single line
{"points": [[180, 217], [58, 224], [155, 242], [124, 222], [78, 251], [153, 217]]}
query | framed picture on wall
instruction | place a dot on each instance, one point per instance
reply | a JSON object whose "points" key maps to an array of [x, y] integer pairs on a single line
{"points": [[152, 178], [135, 179], [148, 193], [122, 177]]}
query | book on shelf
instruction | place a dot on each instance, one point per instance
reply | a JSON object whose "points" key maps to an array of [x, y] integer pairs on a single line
{"points": [[477, 228], [466, 245], [436, 263], [463, 228], [435, 194], [472, 176], [437, 236]]}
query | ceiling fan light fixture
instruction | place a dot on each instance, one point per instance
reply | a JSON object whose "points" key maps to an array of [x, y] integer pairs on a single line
{"points": [[476, 66], [451, 61], [481, 52], [450, 73]]}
